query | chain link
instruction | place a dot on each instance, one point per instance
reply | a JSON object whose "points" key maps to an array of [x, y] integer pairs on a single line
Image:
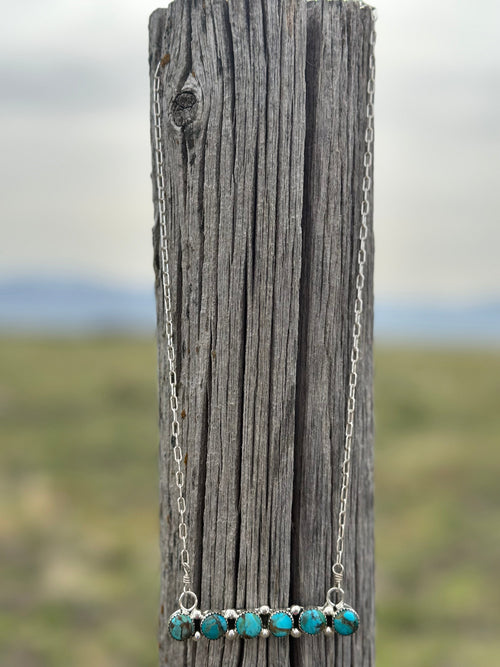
{"points": [[338, 567], [169, 328]]}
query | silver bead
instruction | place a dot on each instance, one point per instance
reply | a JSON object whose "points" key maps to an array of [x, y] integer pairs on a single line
{"points": [[264, 633], [265, 610], [196, 614], [295, 632], [230, 614], [328, 631], [231, 634], [328, 610], [295, 609], [197, 636]]}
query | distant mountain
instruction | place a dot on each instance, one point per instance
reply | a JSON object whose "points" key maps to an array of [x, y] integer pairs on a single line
{"points": [[72, 307], [477, 323]]}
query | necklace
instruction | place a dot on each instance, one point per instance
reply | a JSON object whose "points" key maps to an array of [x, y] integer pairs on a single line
{"points": [[335, 615]]}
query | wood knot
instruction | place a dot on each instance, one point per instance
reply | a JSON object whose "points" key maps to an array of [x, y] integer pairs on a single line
{"points": [[184, 108]]}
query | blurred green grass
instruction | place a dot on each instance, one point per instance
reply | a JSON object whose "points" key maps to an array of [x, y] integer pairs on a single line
{"points": [[437, 507], [78, 505]]}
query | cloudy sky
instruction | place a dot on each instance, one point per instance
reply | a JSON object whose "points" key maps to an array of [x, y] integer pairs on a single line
{"points": [[75, 193]]}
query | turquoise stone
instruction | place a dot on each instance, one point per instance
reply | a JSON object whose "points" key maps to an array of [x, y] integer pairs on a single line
{"points": [[181, 627], [248, 625], [312, 621], [280, 624], [346, 622], [214, 626]]}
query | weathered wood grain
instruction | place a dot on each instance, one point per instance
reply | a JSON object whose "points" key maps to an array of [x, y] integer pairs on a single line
{"points": [[264, 114]]}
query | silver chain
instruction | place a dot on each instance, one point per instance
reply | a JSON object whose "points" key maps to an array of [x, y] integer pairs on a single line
{"points": [[167, 308], [338, 567]]}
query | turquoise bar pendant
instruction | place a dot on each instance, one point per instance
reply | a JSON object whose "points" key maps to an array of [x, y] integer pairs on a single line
{"points": [[280, 623], [312, 621], [181, 626], [346, 621], [249, 625], [213, 626], [263, 622]]}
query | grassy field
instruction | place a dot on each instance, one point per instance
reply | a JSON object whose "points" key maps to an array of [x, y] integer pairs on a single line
{"points": [[78, 505]]}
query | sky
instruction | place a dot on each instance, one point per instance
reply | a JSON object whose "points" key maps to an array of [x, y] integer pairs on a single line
{"points": [[75, 189]]}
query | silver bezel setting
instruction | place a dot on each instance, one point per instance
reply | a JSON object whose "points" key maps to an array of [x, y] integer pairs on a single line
{"points": [[341, 610], [281, 611], [312, 634], [180, 612], [206, 615], [241, 613]]}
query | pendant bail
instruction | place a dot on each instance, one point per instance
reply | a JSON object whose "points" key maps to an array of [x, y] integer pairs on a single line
{"points": [[185, 598], [338, 593]]}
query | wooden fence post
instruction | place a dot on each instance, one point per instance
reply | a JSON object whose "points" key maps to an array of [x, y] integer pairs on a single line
{"points": [[264, 113]]}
